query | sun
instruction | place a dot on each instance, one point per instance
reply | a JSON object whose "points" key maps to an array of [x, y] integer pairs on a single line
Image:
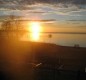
{"points": [[35, 29]]}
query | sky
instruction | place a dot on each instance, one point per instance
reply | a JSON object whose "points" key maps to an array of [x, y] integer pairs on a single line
{"points": [[66, 16], [69, 15]]}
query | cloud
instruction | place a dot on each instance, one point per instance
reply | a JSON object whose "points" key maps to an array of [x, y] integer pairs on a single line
{"points": [[45, 20], [45, 7], [61, 3], [78, 13], [77, 20], [77, 2]]}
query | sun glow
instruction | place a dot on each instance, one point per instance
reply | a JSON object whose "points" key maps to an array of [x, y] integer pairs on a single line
{"points": [[35, 29]]}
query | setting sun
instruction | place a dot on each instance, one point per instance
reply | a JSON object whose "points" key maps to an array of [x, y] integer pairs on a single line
{"points": [[35, 29]]}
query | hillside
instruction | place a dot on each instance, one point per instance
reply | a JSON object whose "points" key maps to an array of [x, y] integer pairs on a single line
{"points": [[43, 53], [19, 58]]}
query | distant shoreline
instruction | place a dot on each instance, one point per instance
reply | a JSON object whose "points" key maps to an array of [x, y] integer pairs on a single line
{"points": [[44, 32]]}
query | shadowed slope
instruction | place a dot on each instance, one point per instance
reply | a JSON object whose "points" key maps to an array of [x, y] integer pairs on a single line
{"points": [[19, 58]]}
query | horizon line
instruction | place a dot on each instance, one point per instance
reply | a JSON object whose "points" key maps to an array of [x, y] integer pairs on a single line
{"points": [[25, 31]]}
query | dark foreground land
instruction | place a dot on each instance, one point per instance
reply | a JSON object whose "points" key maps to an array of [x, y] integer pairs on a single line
{"points": [[21, 60]]}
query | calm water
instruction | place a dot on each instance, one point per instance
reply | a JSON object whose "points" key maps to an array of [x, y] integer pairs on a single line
{"points": [[68, 39], [64, 39]]}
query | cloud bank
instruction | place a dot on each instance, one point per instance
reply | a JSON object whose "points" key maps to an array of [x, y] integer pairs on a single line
{"points": [[57, 9], [22, 4]]}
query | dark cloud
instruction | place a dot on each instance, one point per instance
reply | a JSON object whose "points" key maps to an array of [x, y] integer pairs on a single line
{"points": [[82, 2], [23, 4], [45, 20], [77, 2]]}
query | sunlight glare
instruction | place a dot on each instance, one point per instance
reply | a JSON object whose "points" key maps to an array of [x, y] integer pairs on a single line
{"points": [[35, 29]]}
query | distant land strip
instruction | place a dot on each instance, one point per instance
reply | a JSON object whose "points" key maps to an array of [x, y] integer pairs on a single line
{"points": [[64, 32], [25, 31]]}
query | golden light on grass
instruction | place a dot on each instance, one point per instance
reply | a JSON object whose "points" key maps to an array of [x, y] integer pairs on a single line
{"points": [[35, 29]]}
